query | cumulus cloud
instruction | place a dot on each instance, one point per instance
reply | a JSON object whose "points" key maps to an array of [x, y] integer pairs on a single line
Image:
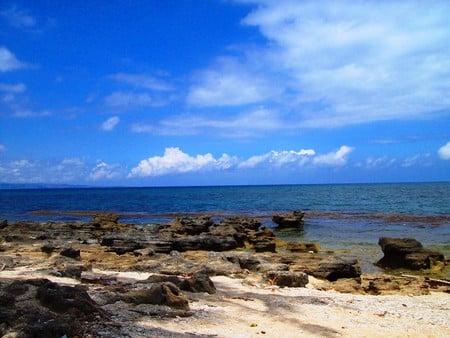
{"points": [[142, 81], [337, 158], [228, 83], [110, 123], [279, 158], [9, 62], [175, 161], [444, 151], [103, 170]]}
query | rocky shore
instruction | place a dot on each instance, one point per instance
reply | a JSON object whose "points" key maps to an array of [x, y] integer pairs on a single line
{"points": [[205, 277]]}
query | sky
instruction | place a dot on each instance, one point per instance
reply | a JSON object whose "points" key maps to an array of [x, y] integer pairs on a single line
{"points": [[220, 92]]}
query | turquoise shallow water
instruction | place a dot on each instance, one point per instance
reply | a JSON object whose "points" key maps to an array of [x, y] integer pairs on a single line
{"points": [[345, 217]]}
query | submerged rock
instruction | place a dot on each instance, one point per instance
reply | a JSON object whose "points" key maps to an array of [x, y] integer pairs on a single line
{"points": [[294, 220], [407, 253]]}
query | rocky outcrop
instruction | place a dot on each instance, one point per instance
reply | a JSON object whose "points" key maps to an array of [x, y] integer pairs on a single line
{"points": [[294, 220], [41, 308], [198, 282], [407, 253], [165, 293], [287, 278], [302, 247], [334, 269]]}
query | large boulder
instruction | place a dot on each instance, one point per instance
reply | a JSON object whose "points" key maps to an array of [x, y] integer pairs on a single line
{"points": [[294, 220], [41, 308], [335, 269], [407, 253], [165, 293]]}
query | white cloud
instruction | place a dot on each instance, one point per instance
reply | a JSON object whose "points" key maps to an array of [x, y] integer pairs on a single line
{"points": [[341, 62], [175, 161], [18, 18], [110, 123], [2, 148], [419, 159], [378, 162], [279, 158], [444, 151], [9, 62], [130, 100], [228, 83], [142, 81], [103, 170], [26, 113], [337, 158], [14, 89], [257, 122]]}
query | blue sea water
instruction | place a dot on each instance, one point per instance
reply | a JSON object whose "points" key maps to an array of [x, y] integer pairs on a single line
{"points": [[345, 217]]}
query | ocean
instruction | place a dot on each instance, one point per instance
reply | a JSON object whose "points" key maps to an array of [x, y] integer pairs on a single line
{"points": [[345, 218]]}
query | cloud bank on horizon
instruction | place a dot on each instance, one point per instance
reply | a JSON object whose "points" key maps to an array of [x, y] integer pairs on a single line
{"points": [[225, 88]]}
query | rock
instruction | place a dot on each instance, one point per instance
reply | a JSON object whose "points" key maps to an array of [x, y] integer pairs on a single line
{"points": [[73, 270], [199, 282], [335, 269], [65, 299], [287, 278], [71, 253], [265, 246], [294, 220], [123, 242], [40, 308], [266, 267], [204, 242], [165, 293], [3, 223], [407, 253], [144, 252], [48, 248], [105, 220], [189, 225], [302, 247]]}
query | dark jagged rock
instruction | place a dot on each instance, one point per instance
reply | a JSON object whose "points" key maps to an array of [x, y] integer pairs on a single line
{"points": [[337, 269], [189, 226], [3, 223], [165, 293], [199, 282], [287, 278], [49, 248], [265, 246], [65, 299], [41, 308], [407, 253], [204, 242], [294, 220], [71, 253]]}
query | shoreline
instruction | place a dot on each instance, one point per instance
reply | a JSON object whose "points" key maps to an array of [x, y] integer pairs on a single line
{"points": [[109, 260]]}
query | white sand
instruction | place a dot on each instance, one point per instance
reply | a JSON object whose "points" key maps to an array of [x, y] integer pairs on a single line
{"points": [[243, 309]]}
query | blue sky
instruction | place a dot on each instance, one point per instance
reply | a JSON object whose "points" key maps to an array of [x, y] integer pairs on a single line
{"points": [[224, 92]]}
